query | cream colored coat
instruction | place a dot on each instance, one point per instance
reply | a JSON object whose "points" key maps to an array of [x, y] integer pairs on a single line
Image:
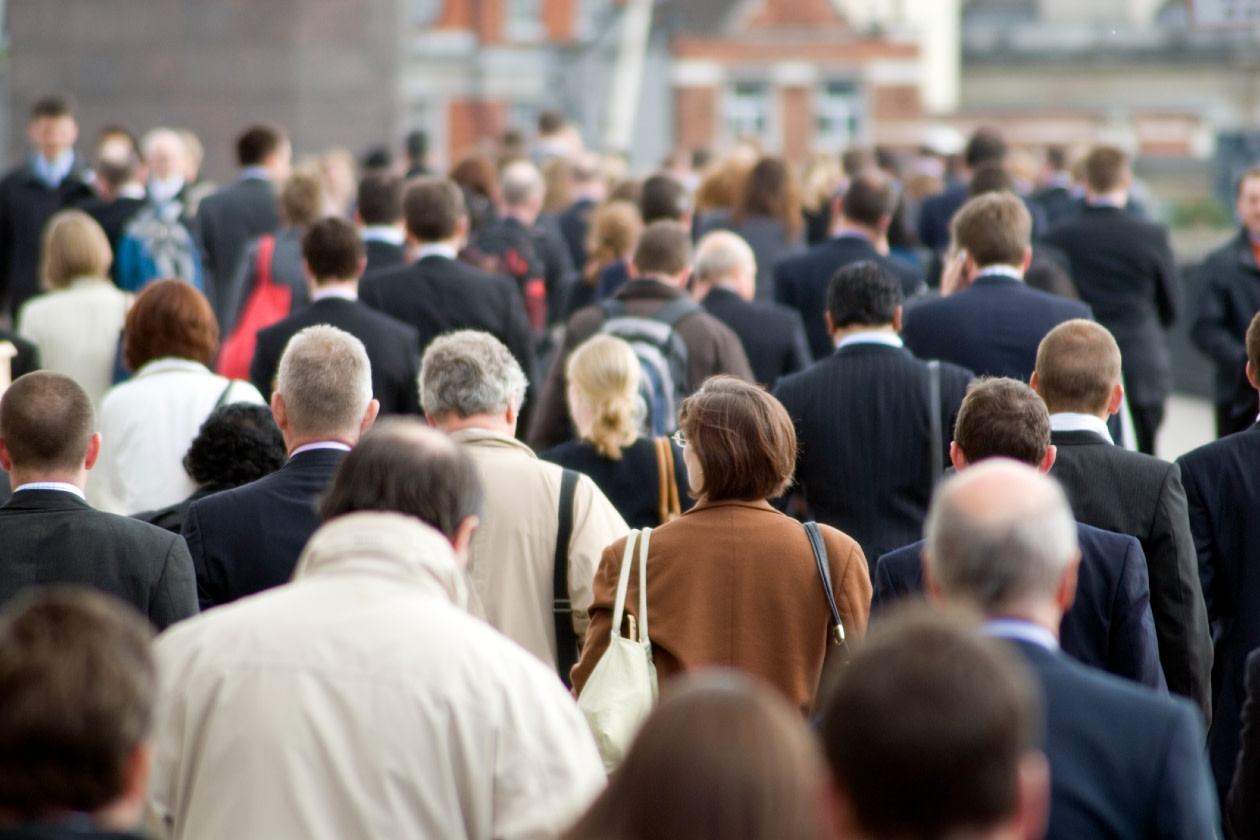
{"points": [[363, 701], [513, 552]]}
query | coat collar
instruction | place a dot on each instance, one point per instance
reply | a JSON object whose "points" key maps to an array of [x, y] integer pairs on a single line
{"points": [[29, 500], [704, 505], [1079, 438], [486, 439], [647, 288]]}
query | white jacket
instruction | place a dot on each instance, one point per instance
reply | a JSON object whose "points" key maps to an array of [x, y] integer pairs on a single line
{"points": [[362, 701]]}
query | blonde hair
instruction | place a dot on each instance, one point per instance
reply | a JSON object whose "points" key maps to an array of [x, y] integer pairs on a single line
{"points": [[74, 246], [615, 228], [605, 372]]}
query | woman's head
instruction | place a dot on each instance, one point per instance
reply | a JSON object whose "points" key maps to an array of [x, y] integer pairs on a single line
{"points": [[603, 375], [169, 319], [615, 228], [741, 443], [302, 199], [74, 246], [771, 190], [721, 757]]}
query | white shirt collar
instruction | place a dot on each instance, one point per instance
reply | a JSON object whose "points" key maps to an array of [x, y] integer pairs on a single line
{"points": [[1019, 630], [1071, 421], [168, 364], [436, 249], [871, 337], [319, 444], [162, 190], [1001, 271], [338, 291], [130, 191], [255, 172], [382, 233], [60, 486]]}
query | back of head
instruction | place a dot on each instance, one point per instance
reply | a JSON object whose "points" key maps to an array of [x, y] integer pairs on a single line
{"points": [[238, 443], [664, 249], [990, 177], [1078, 367], [870, 198], [256, 144], [417, 144], [379, 200], [169, 319], [476, 173], [772, 190], [302, 199], [615, 228], [721, 254], [402, 466], [74, 246], [46, 423], [721, 758], [663, 197], [985, 146], [999, 535], [77, 691], [325, 379], [605, 371], [1002, 418], [521, 184], [332, 250], [863, 294], [551, 122], [856, 159], [1057, 158], [466, 373], [433, 208], [926, 731], [994, 228], [1106, 169]]}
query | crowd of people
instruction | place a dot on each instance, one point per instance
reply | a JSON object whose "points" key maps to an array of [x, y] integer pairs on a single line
{"points": [[859, 455]]}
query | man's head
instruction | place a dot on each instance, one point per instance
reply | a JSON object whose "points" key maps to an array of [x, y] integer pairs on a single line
{"points": [[236, 444], [403, 466], [663, 197], [725, 258], [301, 199], [663, 253], [863, 294], [164, 154], [985, 146], [551, 122], [868, 202], [1107, 172], [930, 713], [1000, 539], [434, 210], [1248, 200], [471, 374], [991, 177], [1078, 369], [994, 229], [52, 129], [379, 201], [323, 388], [46, 429], [77, 691], [521, 188], [266, 146], [332, 251], [1002, 418]]}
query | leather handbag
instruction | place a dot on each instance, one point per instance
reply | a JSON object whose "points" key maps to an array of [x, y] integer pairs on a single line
{"points": [[670, 504], [622, 688], [267, 304]]}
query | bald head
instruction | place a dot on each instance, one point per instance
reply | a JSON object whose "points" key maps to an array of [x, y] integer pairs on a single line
{"points": [[1000, 536], [1078, 368], [725, 258]]}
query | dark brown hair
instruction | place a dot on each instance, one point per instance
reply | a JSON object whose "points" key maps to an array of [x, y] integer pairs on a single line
{"points": [[743, 438], [52, 107], [1078, 364], [995, 228], [432, 208], [332, 250], [169, 319], [379, 198], [870, 198], [46, 421], [663, 197], [478, 174], [256, 143], [990, 177], [1105, 168], [1253, 345], [77, 690], [771, 189], [664, 247], [1002, 417]]}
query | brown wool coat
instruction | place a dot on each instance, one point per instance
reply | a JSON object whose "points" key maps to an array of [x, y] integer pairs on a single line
{"points": [[734, 584]]}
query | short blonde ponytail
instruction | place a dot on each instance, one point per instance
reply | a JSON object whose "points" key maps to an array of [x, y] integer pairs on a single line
{"points": [[605, 372]]}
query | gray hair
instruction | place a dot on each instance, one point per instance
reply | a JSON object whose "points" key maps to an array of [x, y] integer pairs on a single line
{"points": [[520, 183], [469, 372], [720, 254], [325, 379], [999, 532]]}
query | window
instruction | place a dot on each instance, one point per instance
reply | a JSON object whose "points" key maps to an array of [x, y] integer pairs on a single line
{"points": [[425, 12], [523, 21], [747, 111], [838, 106]]}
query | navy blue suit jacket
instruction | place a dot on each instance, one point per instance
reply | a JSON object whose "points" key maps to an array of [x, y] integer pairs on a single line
{"points": [[249, 538], [992, 327], [772, 334], [936, 212], [1109, 626], [1125, 762]]}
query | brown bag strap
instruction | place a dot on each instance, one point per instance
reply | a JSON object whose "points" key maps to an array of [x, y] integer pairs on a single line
{"points": [[670, 504]]}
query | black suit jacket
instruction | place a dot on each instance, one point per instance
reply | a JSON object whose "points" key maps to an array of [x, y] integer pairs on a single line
{"points": [[226, 221], [1112, 488], [1123, 268], [1242, 807], [801, 282], [573, 223], [1229, 296], [392, 347], [1109, 625], [382, 255], [864, 439], [992, 327], [249, 539], [936, 212], [53, 537], [1223, 495], [772, 334], [1125, 762]]}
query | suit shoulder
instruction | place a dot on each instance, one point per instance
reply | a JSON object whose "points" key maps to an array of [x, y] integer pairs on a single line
{"points": [[129, 529], [395, 329]]}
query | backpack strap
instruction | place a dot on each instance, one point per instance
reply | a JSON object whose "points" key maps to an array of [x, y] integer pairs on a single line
{"points": [[676, 311], [613, 308], [934, 406], [562, 607]]}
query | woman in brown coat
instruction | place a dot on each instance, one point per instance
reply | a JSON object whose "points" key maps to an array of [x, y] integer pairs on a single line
{"points": [[733, 581]]}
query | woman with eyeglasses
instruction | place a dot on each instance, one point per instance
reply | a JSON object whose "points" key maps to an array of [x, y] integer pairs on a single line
{"points": [[733, 582]]}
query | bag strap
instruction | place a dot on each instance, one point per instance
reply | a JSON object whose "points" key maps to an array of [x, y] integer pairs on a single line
{"points": [[662, 492], [934, 406], [561, 606], [644, 537], [824, 573], [266, 248], [623, 583], [223, 397], [675, 503]]}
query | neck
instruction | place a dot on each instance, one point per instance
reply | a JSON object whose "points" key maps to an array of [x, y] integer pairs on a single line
{"points": [[454, 243], [982, 269], [659, 278], [295, 441], [1041, 612], [1117, 197], [1101, 415], [841, 333], [52, 154], [350, 285], [844, 225], [18, 477], [496, 422]]}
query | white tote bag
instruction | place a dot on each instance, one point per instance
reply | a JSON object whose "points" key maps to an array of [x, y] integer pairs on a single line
{"points": [[621, 689]]}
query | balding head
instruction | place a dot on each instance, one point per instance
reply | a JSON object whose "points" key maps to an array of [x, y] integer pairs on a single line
{"points": [[725, 258], [869, 200], [46, 423], [323, 387], [521, 185], [1000, 537], [1078, 369]]}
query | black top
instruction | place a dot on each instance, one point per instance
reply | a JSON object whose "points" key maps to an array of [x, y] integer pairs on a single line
{"points": [[226, 222], [171, 517], [631, 484], [773, 335]]}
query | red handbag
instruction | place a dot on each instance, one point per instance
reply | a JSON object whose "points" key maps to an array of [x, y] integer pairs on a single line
{"points": [[267, 304]]}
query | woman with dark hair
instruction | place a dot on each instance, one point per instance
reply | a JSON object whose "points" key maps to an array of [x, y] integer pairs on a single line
{"points": [[733, 581], [722, 758], [147, 423], [477, 177]]}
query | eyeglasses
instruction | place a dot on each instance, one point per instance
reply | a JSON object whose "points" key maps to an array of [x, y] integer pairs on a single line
{"points": [[677, 437]]}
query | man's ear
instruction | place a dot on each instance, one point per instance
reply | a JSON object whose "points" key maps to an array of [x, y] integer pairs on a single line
{"points": [[279, 412], [931, 589], [1066, 593], [898, 314], [6, 461], [1032, 382], [93, 451], [1251, 376], [831, 327], [369, 416], [463, 538], [1047, 460], [956, 456], [1027, 261], [1117, 399]]}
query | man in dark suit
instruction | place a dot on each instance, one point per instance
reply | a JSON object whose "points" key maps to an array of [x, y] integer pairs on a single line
{"points": [[1125, 761], [333, 256], [987, 319], [249, 538], [863, 214], [234, 215], [1123, 268], [1055, 194], [1109, 624], [1242, 806], [575, 220], [378, 212], [865, 419], [725, 284], [1078, 375], [49, 533], [1223, 496]]}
